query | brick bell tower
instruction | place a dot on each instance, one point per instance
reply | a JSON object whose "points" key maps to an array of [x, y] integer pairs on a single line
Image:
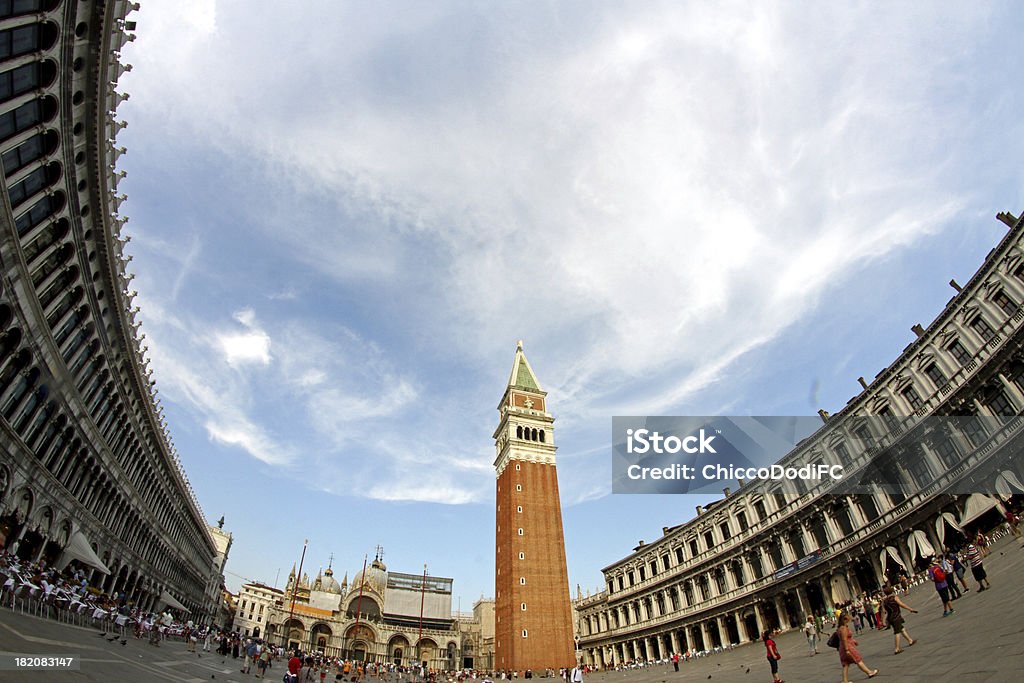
{"points": [[533, 615]]}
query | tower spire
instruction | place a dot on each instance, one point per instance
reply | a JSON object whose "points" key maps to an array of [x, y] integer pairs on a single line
{"points": [[522, 376]]}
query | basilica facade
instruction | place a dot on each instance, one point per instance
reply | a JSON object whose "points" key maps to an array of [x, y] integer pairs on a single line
{"points": [[379, 616], [766, 556]]}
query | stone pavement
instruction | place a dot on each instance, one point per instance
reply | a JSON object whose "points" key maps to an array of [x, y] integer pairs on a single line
{"points": [[983, 641], [101, 661]]}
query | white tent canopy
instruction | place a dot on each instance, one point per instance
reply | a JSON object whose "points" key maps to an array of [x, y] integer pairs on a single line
{"points": [[940, 525], [840, 589], [926, 548], [1006, 482], [78, 548], [888, 552], [170, 600], [912, 545], [978, 504], [1012, 480]]}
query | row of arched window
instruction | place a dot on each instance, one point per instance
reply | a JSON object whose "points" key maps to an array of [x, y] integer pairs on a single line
{"points": [[36, 184], [530, 433]]}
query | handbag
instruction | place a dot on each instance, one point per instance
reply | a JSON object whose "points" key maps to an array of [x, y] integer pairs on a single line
{"points": [[833, 640]]}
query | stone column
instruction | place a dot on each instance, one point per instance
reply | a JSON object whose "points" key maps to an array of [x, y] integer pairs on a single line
{"points": [[656, 647], [730, 577], [723, 631], [934, 463], [856, 515], [982, 409], [803, 600], [748, 572], [675, 640], [1013, 392], [708, 640], [780, 605], [785, 549], [760, 621]]}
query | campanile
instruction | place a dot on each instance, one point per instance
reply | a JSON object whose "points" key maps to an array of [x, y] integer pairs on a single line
{"points": [[533, 619]]}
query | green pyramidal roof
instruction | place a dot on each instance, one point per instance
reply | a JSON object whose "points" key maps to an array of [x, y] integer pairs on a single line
{"points": [[525, 378], [522, 374]]}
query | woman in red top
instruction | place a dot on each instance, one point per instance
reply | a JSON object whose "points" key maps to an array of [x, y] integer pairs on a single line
{"points": [[294, 666], [773, 655], [848, 653]]}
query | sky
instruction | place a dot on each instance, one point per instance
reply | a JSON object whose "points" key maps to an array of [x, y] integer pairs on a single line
{"points": [[343, 215]]}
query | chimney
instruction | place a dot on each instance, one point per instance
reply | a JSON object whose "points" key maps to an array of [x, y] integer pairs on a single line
{"points": [[917, 329], [726, 491], [700, 510], [955, 285], [862, 382], [1007, 218], [740, 481], [823, 414]]}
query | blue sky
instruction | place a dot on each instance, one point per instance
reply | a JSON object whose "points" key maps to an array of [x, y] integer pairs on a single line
{"points": [[344, 215]]}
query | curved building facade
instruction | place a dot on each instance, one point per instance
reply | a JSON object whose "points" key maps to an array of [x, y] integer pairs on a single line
{"points": [[765, 558], [87, 471]]}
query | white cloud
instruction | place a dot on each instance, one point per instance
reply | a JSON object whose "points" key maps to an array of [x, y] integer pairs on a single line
{"points": [[674, 187], [646, 196], [218, 400], [251, 440], [245, 348]]}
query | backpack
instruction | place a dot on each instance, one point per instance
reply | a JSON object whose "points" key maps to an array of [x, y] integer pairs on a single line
{"points": [[833, 640], [938, 576]]}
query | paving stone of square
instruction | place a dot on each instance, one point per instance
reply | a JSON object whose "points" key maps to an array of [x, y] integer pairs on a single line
{"points": [[983, 641]]}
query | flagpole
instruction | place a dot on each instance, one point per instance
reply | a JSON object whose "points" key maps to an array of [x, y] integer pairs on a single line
{"points": [[291, 611], [359, 603], [423, 593]]}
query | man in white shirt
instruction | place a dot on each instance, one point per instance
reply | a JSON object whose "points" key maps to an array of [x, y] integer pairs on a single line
{"points": [[577, 674]]}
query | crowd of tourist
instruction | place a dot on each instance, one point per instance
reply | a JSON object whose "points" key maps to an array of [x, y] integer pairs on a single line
{"points": [[67, 594]]}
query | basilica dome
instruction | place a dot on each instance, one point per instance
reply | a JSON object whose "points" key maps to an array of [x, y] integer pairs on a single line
{"points": [[376, 578], [328, 584]]}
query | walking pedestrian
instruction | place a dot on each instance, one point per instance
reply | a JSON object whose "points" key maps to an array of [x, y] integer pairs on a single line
{"points": [[938, 577], [894, 617], [848, 653], [982, 543], [811, 631], [1011, 520], [675, 660], [958, 569], [772, 652], [976, 559], [947, 568]]}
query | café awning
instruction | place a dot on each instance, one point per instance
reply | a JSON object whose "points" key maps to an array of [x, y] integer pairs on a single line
{"points": [[977, 504], [78, 548], [171, 601]]}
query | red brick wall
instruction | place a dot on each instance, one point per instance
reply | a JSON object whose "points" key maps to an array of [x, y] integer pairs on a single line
{"points": [[548, 615]]}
